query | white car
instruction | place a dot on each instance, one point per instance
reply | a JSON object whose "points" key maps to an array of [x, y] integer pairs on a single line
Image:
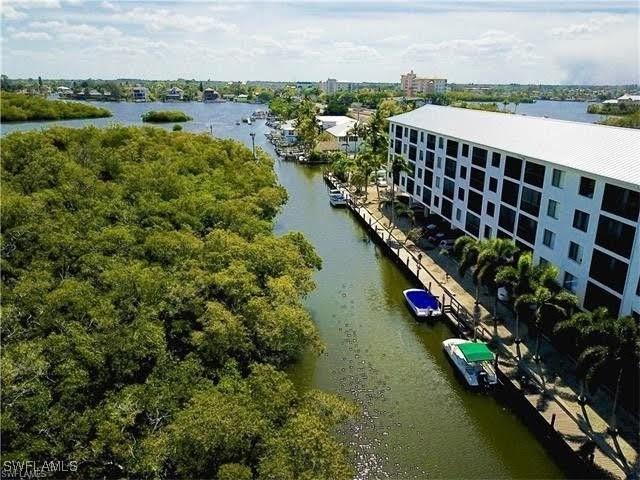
{"points": [[381, 182], [503, 294]]}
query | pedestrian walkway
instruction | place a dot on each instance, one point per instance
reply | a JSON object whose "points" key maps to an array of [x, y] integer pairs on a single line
{"points": [[555, 385]]}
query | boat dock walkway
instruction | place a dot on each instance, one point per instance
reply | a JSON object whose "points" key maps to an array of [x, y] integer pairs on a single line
{"points": [[549, 386]]}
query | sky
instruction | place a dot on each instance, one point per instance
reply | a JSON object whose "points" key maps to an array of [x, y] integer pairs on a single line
{"points": [[465, 41]]}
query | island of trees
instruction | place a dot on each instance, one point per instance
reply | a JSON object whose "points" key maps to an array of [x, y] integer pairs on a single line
{"points": [[16, 107], [165, 116], [148, 311]]}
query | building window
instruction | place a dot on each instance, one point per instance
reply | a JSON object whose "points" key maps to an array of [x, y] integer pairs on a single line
{"points": [[450, 168], [428, 178], [549, 238], [420, 173], [465, 150], [513, 167], [402, 180], [458, 214], [621, 201], [510, 191], [491, 209], [398, 131], [552, 209], [507, 219], [436, 201], [406, 131], [534, 174], [452, 148], [472, 225], [448, 188], [431, 141], [557, 179], [543, 262], [421, 155], [487, 231], [608, 271], [479, 157], [426, 196], [581, 220], [530, 201], [404, 148], [527, 228], [437, 182], [418, 190], [413, 136], [413, 152], [440, 142], [575, 252], [615, 236], [463, 172], [439, 162], [421, 137], [596, 296], [447, 208], [495, 159], [474, 202], [429, 161], [570, 282], [476, 179], [587, 187], [461, 194], [493, 184]]}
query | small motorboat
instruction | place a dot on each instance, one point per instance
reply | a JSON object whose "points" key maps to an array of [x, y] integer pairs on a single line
{"points": [[473, 360], [237, 122], [422, 303], [336, 198]]}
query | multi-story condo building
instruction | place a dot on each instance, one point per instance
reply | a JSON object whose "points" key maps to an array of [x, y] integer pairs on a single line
{"points": [[411, 84], [567, 191], [329, 87]]}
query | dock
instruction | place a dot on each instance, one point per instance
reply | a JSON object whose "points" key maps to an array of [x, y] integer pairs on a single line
{"points": [[542, 393]]}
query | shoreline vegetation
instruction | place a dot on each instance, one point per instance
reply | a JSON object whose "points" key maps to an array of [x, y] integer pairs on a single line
{"points": [[150, 310], [627, 121], [165, 116], [27, 108]]}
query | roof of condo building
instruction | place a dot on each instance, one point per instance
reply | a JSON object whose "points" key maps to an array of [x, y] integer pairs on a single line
{"points": [[612, 152]]}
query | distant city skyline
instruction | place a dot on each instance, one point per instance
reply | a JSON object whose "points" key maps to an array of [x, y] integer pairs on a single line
{"points": [[574, 42]]}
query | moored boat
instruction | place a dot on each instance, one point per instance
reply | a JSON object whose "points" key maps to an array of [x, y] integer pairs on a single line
{"points": [[336, 198], [422, 303], [473, 360]]}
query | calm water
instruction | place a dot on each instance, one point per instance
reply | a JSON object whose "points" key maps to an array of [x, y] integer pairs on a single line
{"points": [[575, 111], [417, 420]]}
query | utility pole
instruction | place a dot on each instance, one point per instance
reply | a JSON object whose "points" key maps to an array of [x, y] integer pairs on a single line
{"points": [[253, 144]]}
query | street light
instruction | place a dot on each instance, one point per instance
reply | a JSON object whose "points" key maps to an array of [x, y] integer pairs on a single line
{"points": [[253, 144]]}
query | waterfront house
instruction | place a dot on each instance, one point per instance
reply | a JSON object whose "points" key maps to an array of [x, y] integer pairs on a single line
{"points": [[210, 95], [64, 92], [567, 191], [340, 129], [242, 98], [289, 133], [140, 94], [174, 94]]}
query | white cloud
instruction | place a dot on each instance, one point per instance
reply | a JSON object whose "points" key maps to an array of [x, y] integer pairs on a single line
{"points": [[26, 4], [164, 19], [10, 13], [590, 26], [77, 32], [31, 36], [110, 6], [489, 46]]}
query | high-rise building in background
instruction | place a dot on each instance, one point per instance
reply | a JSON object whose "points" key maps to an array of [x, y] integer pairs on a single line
{"points": [[329, 87], [411, 84]]}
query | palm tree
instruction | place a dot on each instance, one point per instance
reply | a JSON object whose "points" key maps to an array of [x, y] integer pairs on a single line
{"points": [[376, 132], [357, 131], [618, 350], [365, 164], [548, 307], [523, 278], [495, 253], [586, 329], [467, 250], [341, 165], [399, 164]]}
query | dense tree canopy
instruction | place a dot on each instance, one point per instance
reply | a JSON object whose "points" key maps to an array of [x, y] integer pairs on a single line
{"points": [[17, 107], [165, 116], [148, 308]]}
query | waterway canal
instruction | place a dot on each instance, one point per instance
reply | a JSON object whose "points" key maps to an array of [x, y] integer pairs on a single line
{"points": [[417, 421]]}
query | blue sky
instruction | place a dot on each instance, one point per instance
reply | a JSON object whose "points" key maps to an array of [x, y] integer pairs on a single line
{"points": [[589, 42]]}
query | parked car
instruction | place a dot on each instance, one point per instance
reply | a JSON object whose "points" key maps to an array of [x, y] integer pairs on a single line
{"points": [[381, 182], [447, 244], [503, 294]]}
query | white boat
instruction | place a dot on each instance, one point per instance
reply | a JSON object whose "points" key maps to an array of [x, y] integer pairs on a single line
{"points": [[422, 303], [336, 198], [473, 360]]}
